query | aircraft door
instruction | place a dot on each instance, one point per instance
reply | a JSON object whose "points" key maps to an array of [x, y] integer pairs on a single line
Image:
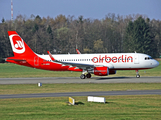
{"points": [[36, 61], [136, 59]]}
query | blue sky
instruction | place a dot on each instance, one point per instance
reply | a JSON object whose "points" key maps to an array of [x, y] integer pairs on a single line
{"points": [[94, 9]]}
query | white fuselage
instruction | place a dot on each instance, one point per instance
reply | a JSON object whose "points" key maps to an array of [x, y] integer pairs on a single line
{"points": [[111, 60]]}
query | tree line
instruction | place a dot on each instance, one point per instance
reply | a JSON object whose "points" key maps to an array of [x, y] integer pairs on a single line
{"points": [[60, 35]]}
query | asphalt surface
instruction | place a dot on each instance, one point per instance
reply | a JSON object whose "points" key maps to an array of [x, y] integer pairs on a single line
{"points": [[101, 93], [78, 80]]}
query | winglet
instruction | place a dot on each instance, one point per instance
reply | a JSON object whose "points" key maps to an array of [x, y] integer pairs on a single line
{"points": [[52, 58], [78, 51]]}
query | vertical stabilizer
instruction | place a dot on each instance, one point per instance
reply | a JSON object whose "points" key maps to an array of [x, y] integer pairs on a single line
{"points": [[19, 47]]}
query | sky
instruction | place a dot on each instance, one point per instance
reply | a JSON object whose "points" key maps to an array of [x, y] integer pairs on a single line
{"points": [[93, 9]]}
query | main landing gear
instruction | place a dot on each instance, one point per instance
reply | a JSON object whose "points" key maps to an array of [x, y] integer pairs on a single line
{"points": [[88, 75], [83, 76], [137, 74]]}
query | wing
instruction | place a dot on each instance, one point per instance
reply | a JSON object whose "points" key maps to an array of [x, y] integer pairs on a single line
{"points": [[79, 65]]}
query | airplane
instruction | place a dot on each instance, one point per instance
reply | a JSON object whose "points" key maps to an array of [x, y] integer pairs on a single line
{"points": [[100, 64]]}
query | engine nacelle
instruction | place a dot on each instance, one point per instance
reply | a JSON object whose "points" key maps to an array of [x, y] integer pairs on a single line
{"points": [[101, 71], [111, 72]]}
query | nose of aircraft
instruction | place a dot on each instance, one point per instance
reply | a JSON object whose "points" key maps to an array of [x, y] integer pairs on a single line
{"points": [[156, 63]]}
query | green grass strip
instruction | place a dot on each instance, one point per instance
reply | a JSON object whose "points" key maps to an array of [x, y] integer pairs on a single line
{"points": [[56, 88], [17, 71], [145, 107]]}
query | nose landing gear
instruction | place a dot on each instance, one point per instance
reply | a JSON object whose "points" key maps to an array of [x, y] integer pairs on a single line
{"points": [[137, 74]]}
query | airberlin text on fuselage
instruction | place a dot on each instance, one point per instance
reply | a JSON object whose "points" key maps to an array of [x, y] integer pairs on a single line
{"points": [[107, 59]]}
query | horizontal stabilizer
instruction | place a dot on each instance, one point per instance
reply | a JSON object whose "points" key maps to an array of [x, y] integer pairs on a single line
{"points": [[16, 59]]}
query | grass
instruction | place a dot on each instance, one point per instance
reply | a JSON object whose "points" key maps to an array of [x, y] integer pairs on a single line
{"points": [[16, 71], [146, 107], [56, 88], [116, 108]]}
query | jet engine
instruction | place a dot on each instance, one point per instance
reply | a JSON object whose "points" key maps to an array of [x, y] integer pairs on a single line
{"points": [[101, 71]]}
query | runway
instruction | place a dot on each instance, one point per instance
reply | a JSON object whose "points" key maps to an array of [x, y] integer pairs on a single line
{"points": [[101, 93], [78, 80], [55, 80]]}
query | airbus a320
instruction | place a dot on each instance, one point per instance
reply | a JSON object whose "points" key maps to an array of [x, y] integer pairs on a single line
{"points": [[101, 64]]}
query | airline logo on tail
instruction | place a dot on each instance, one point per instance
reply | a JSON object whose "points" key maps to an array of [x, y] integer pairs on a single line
{"points": [[17, 43]]}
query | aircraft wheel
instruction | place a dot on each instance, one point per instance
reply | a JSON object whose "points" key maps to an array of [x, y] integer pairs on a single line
{"points": [[88, 75], [137, 76], [82, 76]]}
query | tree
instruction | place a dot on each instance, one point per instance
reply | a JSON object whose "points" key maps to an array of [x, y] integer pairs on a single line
{"points": [[49, 30], [138, 37], [38, 18], [111, 34], [62, 37], [98, 46], [49, 38], [3, 20]]}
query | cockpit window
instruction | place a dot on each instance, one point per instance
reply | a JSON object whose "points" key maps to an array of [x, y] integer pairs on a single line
{"points": [[148, 58]]}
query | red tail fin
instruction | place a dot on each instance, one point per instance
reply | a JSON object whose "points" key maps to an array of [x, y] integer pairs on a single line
{"points": [[19, 47]]}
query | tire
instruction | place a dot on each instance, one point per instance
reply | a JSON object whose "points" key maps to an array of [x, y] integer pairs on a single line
{"points": [[82, 76], [88, 75], [137, 76]]}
